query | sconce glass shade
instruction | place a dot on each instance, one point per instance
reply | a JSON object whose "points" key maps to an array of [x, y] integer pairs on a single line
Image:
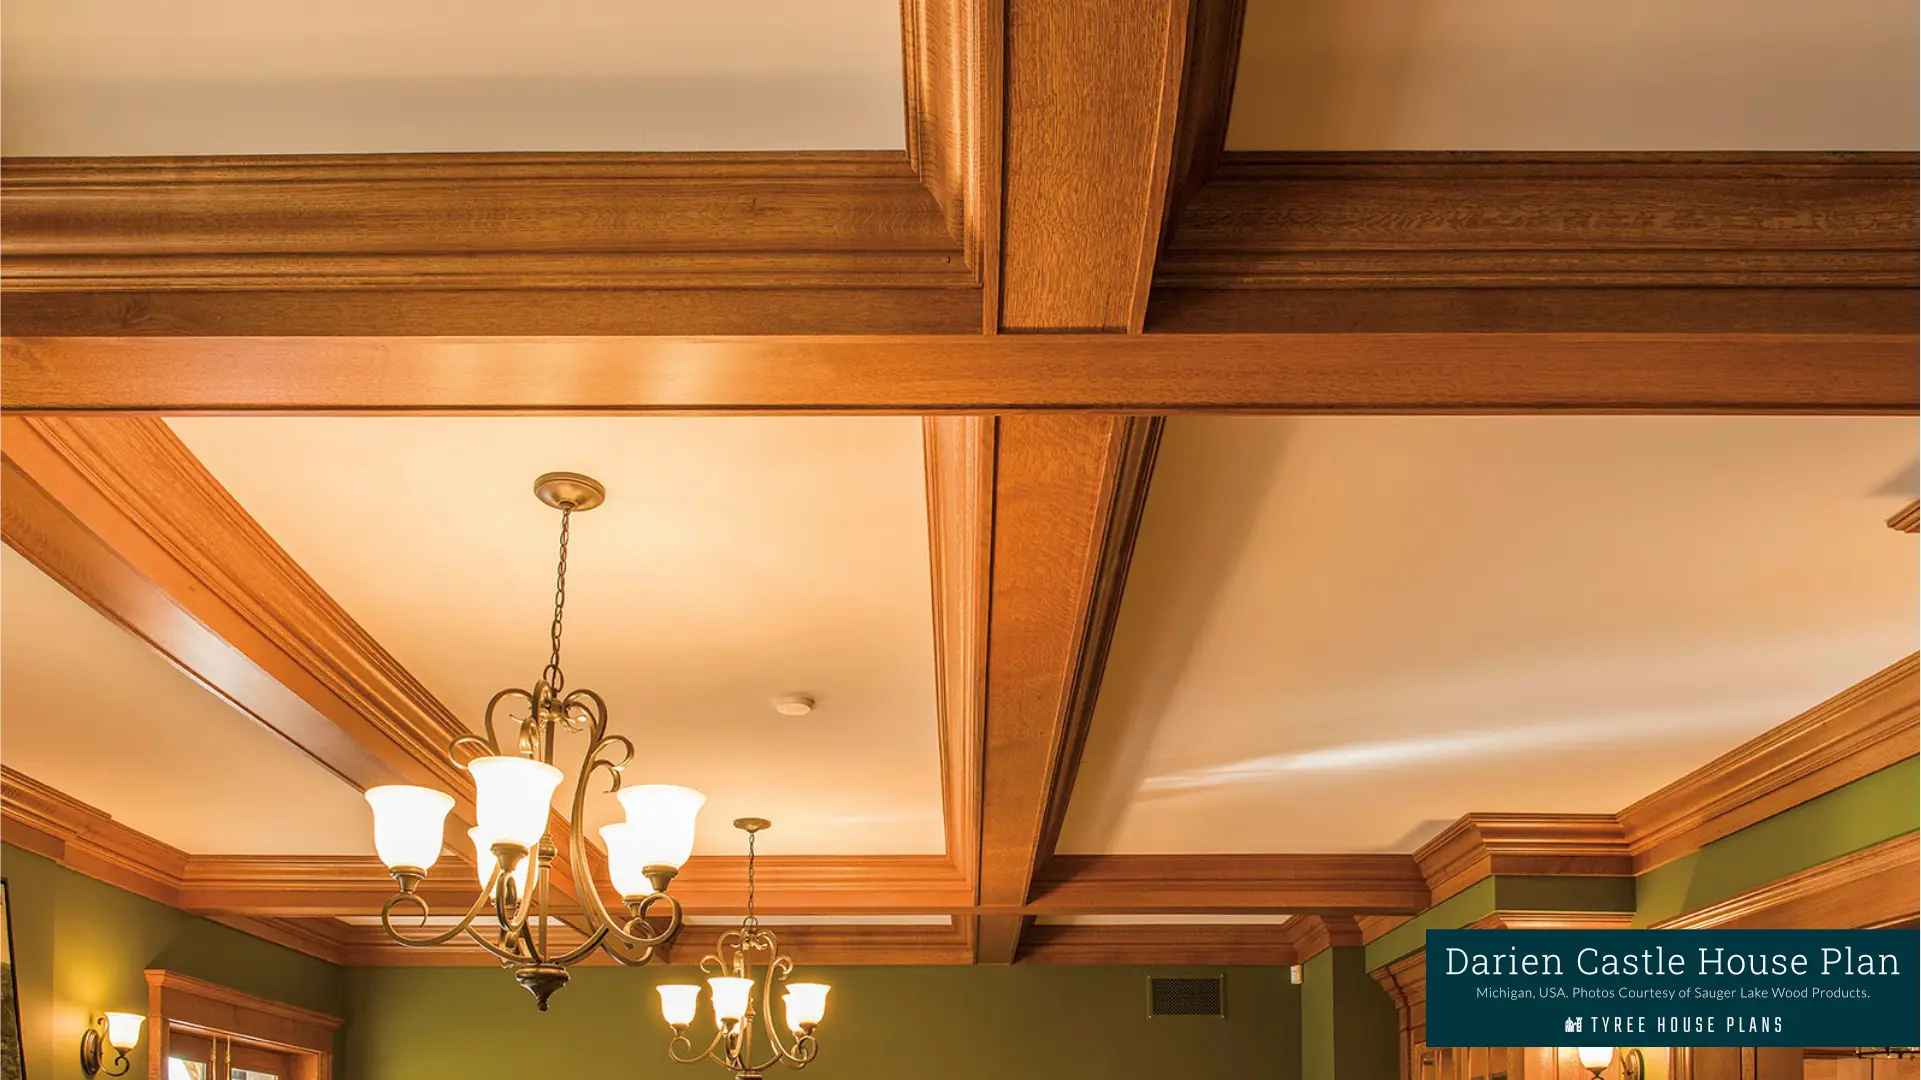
{"points": [[1596, 1057], [123, 1030], [806, 1003], [511, 799], [730, 997], [408, 824], [662, 817], [484, 863], [678, 1002]]}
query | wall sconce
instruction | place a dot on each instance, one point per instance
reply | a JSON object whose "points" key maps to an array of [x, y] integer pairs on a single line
{"points": [[116, 1029], [1596, 1058]]}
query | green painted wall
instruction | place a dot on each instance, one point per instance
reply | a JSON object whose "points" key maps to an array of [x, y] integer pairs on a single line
{"points": [[1348, 1023], [929, 1023], [80, 948], [1879, 806]]}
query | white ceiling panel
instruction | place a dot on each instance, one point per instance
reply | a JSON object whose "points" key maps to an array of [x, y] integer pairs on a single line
{"points": [[735, 560], [1341, 633]]}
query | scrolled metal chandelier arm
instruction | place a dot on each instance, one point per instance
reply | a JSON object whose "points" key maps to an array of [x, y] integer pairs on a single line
{"points": [[514, 778]]}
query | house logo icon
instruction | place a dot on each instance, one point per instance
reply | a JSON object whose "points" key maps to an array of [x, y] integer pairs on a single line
{"points": [[1572, 1025]]}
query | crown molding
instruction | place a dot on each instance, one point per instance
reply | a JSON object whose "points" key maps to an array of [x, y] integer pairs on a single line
{"points": [[797, 242], [1515, 241], [1482, 845], [960, 457], [1861, 730], [1229, 884], [1875, 886], [87, 840], [1222, 944], [1312, 935]]}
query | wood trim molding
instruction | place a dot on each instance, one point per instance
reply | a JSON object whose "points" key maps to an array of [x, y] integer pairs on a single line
{"points": [[1553, 920], [1148, 373], [1228, 884], [1222, 944], [176, 999], [1861, 730], [960, 453], [850, 944], [1213, 56], [1875, 886], [87, 840], [1907, 519], [1532, 241], [1067, 501], [952, 69], [1482, 845], [1312, 935], [517, 243]]}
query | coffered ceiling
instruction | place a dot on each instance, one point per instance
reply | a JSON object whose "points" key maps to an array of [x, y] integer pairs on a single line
{"points": [[735, 560], [103, 77], [1342, 633], [1167, 613], [1572, 75]]}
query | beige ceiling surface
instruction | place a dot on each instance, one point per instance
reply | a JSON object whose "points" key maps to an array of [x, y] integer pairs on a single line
{"points": [[1576, 75], [107, 77], [91, 711], [735, 560], [1340, 634]]}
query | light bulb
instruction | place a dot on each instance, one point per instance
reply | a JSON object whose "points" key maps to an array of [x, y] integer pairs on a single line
{"points": [[677, 1002], [1596, 1057], [485, 861], [511, 799], [730, 998], [662, 818], [123, 1030], [806, 1004], [628, 851], [408, 824]]}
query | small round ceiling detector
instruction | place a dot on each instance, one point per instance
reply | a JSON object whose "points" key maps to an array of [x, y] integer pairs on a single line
{"points": [[794, 704]]}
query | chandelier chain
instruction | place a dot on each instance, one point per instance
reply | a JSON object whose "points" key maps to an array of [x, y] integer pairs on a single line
{"points": [[751, 922], [551, 675]]}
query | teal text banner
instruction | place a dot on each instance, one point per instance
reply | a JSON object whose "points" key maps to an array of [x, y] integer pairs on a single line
{"points": [[1845, 988]]}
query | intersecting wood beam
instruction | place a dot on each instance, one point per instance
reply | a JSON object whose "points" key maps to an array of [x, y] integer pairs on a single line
{"points": [[1068, 497], [1148, 373], [117, 510]]}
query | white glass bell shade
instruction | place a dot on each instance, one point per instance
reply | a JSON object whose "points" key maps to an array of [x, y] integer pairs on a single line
{"points": [[1596, 1057], [730, 997], [511, 798], [806, 1004], [485, 861], [678, 1001], [408, 824], [663, 816], [123, 1030], [628, 848]]}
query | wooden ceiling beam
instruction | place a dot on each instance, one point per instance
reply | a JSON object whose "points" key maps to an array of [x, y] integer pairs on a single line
{"points": [[1230, 884], [1516, 242], [1068, 497], [1150, 373], [422, 244]]}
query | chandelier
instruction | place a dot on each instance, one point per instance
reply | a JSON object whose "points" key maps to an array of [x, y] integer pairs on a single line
{"points": [[732, 985], [514, 785]]}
